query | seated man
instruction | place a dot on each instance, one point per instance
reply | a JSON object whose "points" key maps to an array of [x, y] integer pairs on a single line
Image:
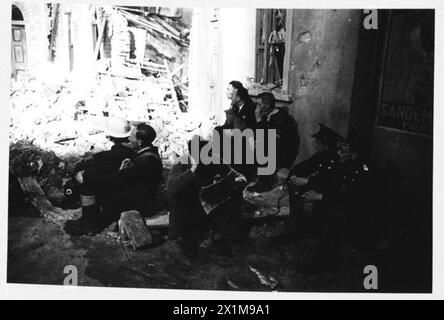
{"points": [[287, 135], [118, 132], [132, 187], [197, 204], [338, 195], [314, 174]]}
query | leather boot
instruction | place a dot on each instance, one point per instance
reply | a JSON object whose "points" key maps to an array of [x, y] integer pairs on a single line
{"points": [[89, 222]]}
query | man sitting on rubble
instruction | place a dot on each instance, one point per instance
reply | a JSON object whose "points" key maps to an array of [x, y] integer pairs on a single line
{"points": [[268, 116], [314, 174], [131, 187], [118, 132], [204, 198], [329, 187]]}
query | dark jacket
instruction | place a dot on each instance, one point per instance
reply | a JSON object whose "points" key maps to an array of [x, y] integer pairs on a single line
{"points": [[133, 187], [320, 170], [243, 118], [186, 213], [287, 143], [336, 181], [107, 160], [247, 115]]}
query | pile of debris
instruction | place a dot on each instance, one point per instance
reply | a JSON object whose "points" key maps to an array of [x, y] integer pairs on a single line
{"points": [[141, 81], [50, 118], [54, 121], [58, 119], [49, 171]]}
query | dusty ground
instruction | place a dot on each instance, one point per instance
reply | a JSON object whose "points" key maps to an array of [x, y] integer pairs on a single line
{"points": [[38, 253]]}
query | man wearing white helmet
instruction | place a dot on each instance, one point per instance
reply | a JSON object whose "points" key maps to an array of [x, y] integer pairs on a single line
{"points": [[118, 131], [131, 184]]}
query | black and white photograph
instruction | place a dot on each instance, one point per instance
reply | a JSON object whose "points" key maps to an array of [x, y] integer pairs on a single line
{"points": [[234, 149]]}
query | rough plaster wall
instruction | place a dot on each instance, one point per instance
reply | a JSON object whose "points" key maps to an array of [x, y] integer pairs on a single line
{"points": [[321, 70]]}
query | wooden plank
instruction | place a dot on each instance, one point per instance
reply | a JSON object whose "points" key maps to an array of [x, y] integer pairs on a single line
{"points": [[99, 38], [30, 185], [70, 44], [175, 71], [38, 199], [267, 29], [156, 26], [55, 23], [288, 49]]}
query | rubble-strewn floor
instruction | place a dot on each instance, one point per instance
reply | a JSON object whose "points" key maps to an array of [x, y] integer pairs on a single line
{"points": [[38, 253]]}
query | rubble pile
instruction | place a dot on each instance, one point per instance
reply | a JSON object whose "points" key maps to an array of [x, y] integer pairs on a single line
{"points": [[49, 118], [50, 172], [53, 126], [54, 121], [59, 120]]}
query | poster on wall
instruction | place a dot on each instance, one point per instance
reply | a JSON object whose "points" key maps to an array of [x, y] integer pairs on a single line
{"points": [[407, 92]]}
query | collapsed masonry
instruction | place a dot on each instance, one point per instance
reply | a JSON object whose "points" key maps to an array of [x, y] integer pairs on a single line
{"points": [[67, 120], [52, 124]]}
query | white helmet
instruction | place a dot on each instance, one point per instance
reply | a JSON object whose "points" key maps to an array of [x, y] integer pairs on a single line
{"points": [[117, 128]]}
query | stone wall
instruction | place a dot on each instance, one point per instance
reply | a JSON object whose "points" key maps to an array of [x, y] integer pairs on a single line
{"points": [[322, 65], [35, 15], [37, 27]]}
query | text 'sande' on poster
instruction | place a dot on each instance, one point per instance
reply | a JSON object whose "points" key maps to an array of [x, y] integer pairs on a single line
{"points": [[407, 93]]}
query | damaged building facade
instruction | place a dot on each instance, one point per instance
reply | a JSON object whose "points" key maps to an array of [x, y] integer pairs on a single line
{"points": [[67, 34], [373, 85], [86, 62], [74, 64]]}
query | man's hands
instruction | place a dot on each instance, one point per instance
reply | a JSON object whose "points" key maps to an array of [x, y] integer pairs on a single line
{"points": [[194, 164], [239, 184], [258, 113], [298, 181], [312, 196], [241, 179], [79, 177], [125, 164]]}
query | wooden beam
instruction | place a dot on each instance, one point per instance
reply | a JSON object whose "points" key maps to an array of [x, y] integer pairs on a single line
{"points": [[288, 49], [70, 44], [100, 37], [55, 22], [38, 199]]}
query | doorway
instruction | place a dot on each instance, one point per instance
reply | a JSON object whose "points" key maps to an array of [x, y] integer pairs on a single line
{"points": [[18, 41]]}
